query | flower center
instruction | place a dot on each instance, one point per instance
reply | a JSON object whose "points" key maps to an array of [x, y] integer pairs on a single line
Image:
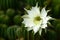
{"points": [[37, 20]]}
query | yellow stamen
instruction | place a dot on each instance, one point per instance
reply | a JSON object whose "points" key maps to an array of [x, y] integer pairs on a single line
{"points": [[36, 20]]}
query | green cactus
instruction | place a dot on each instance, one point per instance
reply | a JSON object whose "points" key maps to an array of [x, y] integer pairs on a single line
{"points": [[2, 38], [17, 19], [55, 8], [51, 35], [5, 4], [3, 28], [19, 32], [10, 12], [11, 32], [4, 19], [1, 12]]}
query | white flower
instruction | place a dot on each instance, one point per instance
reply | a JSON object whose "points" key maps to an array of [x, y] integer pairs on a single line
{"points": [[35, 19]]}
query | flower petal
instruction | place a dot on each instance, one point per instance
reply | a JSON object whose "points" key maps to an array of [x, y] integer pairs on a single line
{"points": [[35, 29], [29, 28], [25, 16], [36, 10], [33, 12], [40, 30], [43, 12], [27, 22], [44, 26], [48, 11], [48, 18], [44, 20]]}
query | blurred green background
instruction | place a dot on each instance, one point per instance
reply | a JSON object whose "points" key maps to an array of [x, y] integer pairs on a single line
{"points": [[11, 27]]}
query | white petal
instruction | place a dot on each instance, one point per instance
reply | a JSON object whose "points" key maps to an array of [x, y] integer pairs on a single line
{"points": [[48, 11], [26, 10], [33, 12], [25, 16], [48, 17], [44, 20], [40, 31], [29, 28], [44, 26], [36, 10], [35, 29], [37, 4], [27, 22], [43, 12]]}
